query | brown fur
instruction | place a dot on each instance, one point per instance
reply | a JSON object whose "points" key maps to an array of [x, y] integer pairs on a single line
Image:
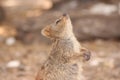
{"points": [[66, 57]]}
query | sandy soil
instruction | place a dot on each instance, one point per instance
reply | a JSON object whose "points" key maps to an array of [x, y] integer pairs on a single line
{"points": [[30, 49], [104, 64]]}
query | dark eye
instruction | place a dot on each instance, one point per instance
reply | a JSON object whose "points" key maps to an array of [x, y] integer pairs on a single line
{"points": [[58, 21]]}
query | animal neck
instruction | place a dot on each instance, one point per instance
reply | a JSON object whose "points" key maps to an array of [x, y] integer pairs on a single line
{"points": [[65, 39], [67, 44], [63, 48]]}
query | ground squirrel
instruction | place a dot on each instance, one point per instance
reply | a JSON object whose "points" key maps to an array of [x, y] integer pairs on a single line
{"points": [[66, 57]]}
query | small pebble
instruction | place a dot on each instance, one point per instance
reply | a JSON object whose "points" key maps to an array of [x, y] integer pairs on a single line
{"points": [[10, 41], [13, 64]]}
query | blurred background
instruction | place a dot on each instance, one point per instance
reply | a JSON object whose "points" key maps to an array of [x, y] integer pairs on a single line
{"points": [[23, 49]]}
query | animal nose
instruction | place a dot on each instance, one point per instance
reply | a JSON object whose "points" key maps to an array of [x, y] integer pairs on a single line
{"points": [[65, 14]]}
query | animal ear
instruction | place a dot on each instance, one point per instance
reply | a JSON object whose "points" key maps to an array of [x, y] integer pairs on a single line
{"points": [[46, 31], [86, 54]]}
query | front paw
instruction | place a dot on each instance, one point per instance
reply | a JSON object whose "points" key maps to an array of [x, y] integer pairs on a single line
{"points": [[86, 54]]}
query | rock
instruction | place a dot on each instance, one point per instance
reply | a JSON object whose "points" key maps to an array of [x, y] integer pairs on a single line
{"points": [[10, 41], [7, 34], [104, 9], [43, 4], [13, 64], [93, 27]]}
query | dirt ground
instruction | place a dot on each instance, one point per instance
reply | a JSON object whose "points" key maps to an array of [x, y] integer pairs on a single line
{"points": [[104, 63], [23, 49]]}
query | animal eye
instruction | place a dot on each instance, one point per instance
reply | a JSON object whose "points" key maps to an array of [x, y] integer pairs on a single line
{"points": [[58, 21]]}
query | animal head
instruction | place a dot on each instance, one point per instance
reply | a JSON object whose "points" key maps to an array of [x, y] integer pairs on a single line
{"points": [[61, 28]]}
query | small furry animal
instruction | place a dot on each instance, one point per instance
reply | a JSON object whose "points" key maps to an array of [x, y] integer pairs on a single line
{"points": [[67, 55]]}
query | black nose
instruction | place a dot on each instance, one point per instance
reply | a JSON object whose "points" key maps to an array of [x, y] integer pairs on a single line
{"points": [[65, 14]]}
